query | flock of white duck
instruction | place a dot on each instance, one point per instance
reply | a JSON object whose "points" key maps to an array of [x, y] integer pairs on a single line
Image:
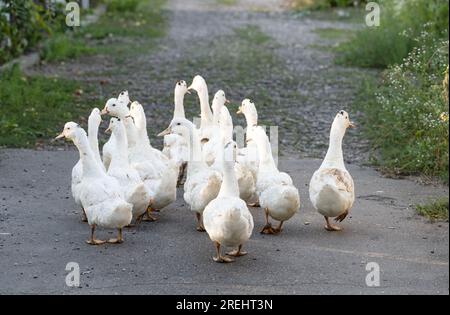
{"points": [[132, 180]]}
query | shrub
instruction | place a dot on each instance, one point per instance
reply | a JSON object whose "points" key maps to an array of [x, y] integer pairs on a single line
{"points": [[406, 117], [401, 23]]}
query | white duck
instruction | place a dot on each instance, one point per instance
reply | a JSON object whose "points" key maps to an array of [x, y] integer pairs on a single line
{"points": [[244, 177], [211, 148], [331, 190], [248, 156], [166, 170], [203, 183], [175, 147], [277, 194], [77, 172], [206, 126], [100, 194], [135, 190], [109, 146], [227, 218], [155, 169]]}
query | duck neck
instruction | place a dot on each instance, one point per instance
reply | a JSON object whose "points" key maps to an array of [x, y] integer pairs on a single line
{"points": [[195, 150], [141, 124], [206, 113], [90, 166], [216, 109], [230, 187], [120, 155], [179, 105], [252, 120], [93, 140], [131, 131], [266, 161], [335, 157]]}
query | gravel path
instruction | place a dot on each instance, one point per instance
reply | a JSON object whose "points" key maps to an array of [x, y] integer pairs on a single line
{"points": [[300, 89]]}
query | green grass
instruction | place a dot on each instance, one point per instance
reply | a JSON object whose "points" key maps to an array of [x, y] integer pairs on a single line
{"points": [[140, 19], [406, 114], [434, 211], [34, 109], [394, 39], [227, 2], [62, 47], [334, 33], [320, 4]]}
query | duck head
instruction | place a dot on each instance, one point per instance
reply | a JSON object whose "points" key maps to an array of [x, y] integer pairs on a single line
{"points": [[115, 125], [248, 109], [95, 118], [219, 101], [114, 107], [342, 121], [198, 84], [70, 131], [181, 88], [124, 97], [178, 126]]}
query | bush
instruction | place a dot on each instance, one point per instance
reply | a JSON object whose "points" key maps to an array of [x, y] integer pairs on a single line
{"points": [[323, 4], [401, 23], [406, 117], [123, 5]]}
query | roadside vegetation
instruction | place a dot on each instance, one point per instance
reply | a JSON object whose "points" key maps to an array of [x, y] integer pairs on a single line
{"points": [[33, 108], [405, 110], [434, 211]]}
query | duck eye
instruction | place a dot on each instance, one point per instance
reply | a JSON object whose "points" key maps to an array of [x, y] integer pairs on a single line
{"points": [[113, 105], [342, 112], [178, 124]]}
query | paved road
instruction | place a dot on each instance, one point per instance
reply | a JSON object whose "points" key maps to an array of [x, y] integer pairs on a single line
{"points": [[41, 231]]}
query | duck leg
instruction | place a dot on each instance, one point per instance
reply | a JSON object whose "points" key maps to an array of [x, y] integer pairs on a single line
{"points": [[330, 227], [219, 258], [267, 229], [279, 228], [83, 215], [149, 217], [341, 217], [117, 240], [200, 227], [92, 240], [181, 176], [237, 252]]}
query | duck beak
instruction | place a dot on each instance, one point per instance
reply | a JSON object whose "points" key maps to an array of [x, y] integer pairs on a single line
{"points": [[104, 111], [352, 125], [239, 111], [190, 88], [108, 130], [248, 140], [61, 135], [166, 132], [188, 92], [227, 102]]}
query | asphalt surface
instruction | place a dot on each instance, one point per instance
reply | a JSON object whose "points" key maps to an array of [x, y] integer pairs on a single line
{"points": [[41, 231]]}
